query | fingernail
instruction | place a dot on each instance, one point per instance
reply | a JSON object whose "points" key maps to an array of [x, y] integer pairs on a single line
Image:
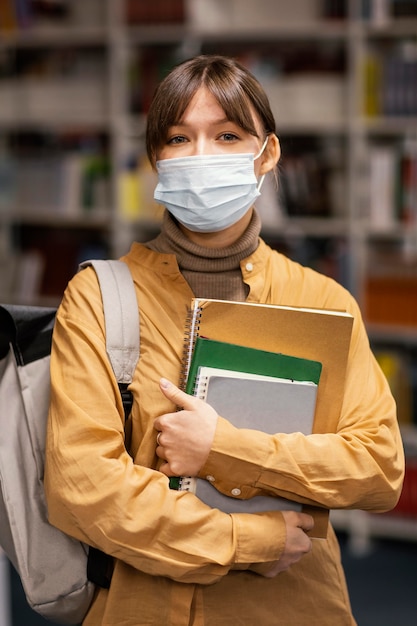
{"points": [[165, 383]]}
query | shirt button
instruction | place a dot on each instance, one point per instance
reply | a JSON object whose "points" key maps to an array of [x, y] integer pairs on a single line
{"points": [[249, 267], [236, 492], [210, 478]]}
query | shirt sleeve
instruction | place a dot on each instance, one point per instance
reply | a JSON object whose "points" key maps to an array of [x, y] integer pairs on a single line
{"points": [[361, 465], [97, 494]]}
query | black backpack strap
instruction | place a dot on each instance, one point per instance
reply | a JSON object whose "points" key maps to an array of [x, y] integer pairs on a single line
{"points": [[127, 399]]}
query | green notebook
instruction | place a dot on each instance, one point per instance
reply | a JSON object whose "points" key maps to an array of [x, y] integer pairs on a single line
{"points": [[228, 356]]}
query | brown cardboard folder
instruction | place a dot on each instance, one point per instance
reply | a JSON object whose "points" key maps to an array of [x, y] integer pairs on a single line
{"points": [[318, 334]]}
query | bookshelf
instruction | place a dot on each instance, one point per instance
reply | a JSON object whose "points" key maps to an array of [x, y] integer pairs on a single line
{"points": [[75, 83], [76, 78], [55, 144]]}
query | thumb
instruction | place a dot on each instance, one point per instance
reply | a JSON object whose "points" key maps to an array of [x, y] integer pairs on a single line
{"points": [[174, 393]]}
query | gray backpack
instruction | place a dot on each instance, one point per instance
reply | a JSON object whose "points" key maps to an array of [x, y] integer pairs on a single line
{"points": [[52, 566]]}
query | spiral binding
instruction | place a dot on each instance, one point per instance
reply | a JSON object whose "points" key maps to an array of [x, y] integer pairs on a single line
{"points": [[200, 384], [192, 327], [185, 483]]}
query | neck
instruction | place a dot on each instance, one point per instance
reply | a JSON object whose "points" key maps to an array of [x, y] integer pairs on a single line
{"points": [[211, 272]]}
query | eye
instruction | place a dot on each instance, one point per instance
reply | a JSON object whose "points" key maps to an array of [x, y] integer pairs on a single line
{"points": [[176, 140], [228, 137]]}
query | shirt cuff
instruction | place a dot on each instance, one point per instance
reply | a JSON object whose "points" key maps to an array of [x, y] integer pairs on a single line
{"points": [[228, 466], [260, 537]]}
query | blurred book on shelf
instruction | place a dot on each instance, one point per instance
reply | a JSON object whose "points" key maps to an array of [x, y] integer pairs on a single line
{"points": [[397, 366], [407, 504], [311, 182], [43, 15], [382, 12], [392, 191], [391, 299], [154, 11], [407, 184], [64, 175], [390, 285], [147, 67], [398, 360], [135, 187], [390, 79], [241, 15], [335, 9], [48, 258]]}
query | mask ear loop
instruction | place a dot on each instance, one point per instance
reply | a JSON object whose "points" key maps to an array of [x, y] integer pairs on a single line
{"points": [[257, 157], [262, 149]]}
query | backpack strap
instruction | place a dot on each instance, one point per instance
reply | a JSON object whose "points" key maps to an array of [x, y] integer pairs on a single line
{"points": [[121, 316]]}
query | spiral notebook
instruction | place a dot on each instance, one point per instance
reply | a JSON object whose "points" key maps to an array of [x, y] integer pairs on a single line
{"points": [[320, 335], [266, 403]]}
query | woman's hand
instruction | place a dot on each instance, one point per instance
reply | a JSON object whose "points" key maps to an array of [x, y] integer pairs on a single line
{"points": [[297, 544], [185, 437], [184, 441]]}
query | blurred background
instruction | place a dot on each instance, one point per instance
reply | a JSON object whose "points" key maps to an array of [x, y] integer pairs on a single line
{"points": [[76, 79]]}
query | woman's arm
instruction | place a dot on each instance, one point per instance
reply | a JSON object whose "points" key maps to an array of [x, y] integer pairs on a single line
{"points": [[95, 491], [359, 466]]}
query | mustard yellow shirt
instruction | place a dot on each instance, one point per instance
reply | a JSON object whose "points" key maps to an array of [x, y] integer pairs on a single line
{"points": [[178, 562]]}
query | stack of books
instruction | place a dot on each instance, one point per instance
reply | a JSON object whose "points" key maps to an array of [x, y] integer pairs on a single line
{"points": [[270, 368]]}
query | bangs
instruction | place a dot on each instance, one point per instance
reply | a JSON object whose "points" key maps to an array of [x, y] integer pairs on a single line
{"points": [[231, 97], [233, 100]]}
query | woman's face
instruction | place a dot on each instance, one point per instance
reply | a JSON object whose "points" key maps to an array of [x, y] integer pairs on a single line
{"points": [[205, 129]]}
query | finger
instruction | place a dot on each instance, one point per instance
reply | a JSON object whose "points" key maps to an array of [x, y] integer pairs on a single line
{"points": [[174, 393], [160, 452], [306, 522], [165, 469]]}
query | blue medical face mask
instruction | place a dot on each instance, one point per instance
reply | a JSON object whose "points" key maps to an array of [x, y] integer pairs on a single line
{"points": [[208, 193]]}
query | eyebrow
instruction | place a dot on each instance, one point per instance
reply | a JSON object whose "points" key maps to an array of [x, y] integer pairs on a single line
{"points": [[223, 120]]}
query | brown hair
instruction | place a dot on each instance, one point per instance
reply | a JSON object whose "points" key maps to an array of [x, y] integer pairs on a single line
{"points": [[234, 87]]}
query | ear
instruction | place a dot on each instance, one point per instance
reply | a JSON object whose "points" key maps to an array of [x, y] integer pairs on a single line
{"points": [[271, 155]]}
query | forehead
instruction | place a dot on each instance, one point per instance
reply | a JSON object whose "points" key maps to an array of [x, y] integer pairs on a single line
{"points": [[205, 108]]}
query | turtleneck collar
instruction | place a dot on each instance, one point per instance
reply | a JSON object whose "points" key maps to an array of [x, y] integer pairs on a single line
{"points": [[196, 258]]}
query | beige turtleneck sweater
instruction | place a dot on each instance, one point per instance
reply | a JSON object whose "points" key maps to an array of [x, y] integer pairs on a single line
{"points": [[210, 272]]}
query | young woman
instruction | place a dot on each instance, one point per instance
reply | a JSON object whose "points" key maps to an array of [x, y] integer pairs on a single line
{"points": [[211, 137]]}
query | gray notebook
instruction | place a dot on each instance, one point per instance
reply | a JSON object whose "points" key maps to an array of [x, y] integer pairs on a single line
{"points": [[272, 405]]}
